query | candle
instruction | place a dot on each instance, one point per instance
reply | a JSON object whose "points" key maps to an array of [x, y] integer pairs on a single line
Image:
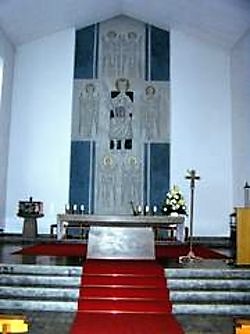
{"points": [[82, 208], [146, 210]]}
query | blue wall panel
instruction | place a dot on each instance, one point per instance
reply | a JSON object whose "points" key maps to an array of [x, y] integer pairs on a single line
{"points": [[160, 54], [92, 207], [145, 174], [147, 32], [84, 53], [159, 172], [79, 173]]}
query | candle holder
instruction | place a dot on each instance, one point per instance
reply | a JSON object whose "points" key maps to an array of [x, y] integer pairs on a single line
{"points": [[191, 257]]}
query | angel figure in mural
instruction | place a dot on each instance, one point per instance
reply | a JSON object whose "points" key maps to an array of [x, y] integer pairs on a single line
{"points": [[150, 113], [107, 193], [121, 116], [88, 110], [121, 54], [131, 181], [131, 55], [110, 54]]}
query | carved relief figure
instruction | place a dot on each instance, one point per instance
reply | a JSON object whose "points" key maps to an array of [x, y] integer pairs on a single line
{"points": [[132, 55], [121, 54], [107, 182], [120, 117], [110, 54], [131, 181], [89, 110], [150, 113]]}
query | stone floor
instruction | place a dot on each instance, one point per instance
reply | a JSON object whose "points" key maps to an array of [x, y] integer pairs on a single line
{"points": [[58, 322], [51, 322]]}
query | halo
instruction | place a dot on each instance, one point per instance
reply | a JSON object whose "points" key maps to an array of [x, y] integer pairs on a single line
{"points": [[107, 160], [132, 160]]}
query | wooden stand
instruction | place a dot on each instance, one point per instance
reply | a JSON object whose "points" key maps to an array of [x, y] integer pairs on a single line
{"points": [[30, 225], [242, 326], [13, 324], [243, 236]]}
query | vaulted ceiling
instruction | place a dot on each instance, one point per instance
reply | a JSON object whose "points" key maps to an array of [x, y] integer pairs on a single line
{"points": [[220, 21]]}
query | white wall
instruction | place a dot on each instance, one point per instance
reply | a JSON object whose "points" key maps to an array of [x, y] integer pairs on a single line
{"points": [[201, 129], [41, 127], [7, 54], [240, 67]]}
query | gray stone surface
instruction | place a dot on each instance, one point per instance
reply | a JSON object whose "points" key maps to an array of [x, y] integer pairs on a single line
{"points": [[60, 322], [121, 243]]}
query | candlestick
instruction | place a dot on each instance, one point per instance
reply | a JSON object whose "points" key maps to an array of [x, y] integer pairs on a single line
{"points": [[190, 257]]}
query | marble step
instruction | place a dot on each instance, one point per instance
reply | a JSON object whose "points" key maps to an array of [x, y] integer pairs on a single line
{"points": [[18, 292], [207, 273], [34, 305], [39, 280], [226, 297], [28, 269], [218, 309], [208, 284]]}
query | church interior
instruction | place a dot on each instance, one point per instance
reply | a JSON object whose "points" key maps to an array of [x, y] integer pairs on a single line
{"points": [[124, 173]]}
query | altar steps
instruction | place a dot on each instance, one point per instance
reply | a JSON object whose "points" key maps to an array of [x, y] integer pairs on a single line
{"points": [[191, 291], [122, 281], [209, 291], [39, 288]]}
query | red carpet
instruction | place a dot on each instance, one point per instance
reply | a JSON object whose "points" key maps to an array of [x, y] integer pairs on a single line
{"points": [[124, 297], [71, 249]]}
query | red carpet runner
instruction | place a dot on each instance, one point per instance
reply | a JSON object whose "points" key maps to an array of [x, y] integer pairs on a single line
{"points": [[162, 252], [124, 297]]}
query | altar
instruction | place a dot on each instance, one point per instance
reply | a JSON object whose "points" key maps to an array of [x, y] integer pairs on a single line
{"points": [[120, 236], [85, 220]]}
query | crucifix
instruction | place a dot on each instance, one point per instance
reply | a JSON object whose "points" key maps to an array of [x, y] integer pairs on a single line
{"points": [[190, 257]]}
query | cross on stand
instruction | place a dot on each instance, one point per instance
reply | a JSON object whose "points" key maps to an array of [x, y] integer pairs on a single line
{"points": [[191, 257]]}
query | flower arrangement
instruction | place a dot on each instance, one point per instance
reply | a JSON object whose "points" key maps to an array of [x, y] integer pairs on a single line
{"points": [[174, 202]]}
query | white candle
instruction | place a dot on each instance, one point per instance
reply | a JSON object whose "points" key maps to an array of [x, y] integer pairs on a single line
{"points": [[154, 208], [75, 207], [82, 208], [66, 208]]}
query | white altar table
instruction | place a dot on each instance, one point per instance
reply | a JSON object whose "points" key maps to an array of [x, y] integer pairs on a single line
{"points": [[154, 222]]}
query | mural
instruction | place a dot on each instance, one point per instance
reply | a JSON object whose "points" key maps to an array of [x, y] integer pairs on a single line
{"points": [[121, 108]]}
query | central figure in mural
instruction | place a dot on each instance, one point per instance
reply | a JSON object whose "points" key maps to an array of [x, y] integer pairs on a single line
{"points": [[121, 114]]}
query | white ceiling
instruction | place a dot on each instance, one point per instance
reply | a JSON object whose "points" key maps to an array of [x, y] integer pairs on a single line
{"points": [[220, 21]]}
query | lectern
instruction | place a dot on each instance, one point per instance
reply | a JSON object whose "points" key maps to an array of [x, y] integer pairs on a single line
{"points": [[243, 236]]}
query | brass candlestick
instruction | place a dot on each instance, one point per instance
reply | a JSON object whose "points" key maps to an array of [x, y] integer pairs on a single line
{"points": [[191, 257]]}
